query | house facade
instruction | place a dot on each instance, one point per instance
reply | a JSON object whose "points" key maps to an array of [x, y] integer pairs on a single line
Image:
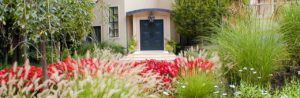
{"points": [[266, 8], [147, 22]]}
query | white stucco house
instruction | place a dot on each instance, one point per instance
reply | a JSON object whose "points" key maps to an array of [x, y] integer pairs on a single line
{"points": [[148, 22]]}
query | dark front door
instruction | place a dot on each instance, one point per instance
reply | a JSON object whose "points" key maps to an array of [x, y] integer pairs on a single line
{"points": [[152, 36]]}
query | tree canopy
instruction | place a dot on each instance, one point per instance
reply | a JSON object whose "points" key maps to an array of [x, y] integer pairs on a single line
{"points": [[196, 17], [23, 22]]}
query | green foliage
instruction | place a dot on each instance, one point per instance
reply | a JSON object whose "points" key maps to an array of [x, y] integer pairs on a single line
{"points": [[116, 87], [116, 48], [290, 27], [200, 85], [252, 91], [131, 45], [171, 45], [250, 43], [196, 17], [289, 90], [2, 66], [22, 22]]}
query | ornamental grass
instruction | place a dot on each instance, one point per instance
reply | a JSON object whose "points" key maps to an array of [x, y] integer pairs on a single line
{"points": [[94, 76]]}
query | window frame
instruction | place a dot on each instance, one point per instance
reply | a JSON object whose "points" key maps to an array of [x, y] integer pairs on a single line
{"points": [[113, 22]]}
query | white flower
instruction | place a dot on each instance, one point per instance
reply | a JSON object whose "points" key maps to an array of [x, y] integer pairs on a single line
{"points": [[251, 69], [298, 72], [216, 92], [183, 86], [259, 77], [224, 94], [232, 86], [254, 72], [271, 75], [245, 68], [166, 93], [237, 93], [284, 96], [240, 70], [152, 96], [216, 86], [263, 92]]}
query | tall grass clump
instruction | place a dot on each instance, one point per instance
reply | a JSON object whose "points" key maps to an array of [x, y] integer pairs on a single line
{"points": [[199, 85], [290, 27], [250, 44]]}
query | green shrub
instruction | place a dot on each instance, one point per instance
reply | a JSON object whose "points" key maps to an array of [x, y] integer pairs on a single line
{"points": [[290, 90], [85, 47], [131, 45], [246, 90], [3, 65], [196, 17], [200, 85], [171, 45], [290, 27], [116, 48], [248, 43]]}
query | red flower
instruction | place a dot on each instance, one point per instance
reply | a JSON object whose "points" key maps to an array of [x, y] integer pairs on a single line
{"points": [[165, 69], [166, 80]]}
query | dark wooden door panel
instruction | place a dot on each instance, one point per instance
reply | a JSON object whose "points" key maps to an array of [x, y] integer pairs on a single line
{"points": [[152, 35]]}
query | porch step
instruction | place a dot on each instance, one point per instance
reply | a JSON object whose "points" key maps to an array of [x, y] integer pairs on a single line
{"points": [[147, 55]]}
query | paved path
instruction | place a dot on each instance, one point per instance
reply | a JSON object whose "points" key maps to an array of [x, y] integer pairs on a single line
{"points": [[147, 55]]}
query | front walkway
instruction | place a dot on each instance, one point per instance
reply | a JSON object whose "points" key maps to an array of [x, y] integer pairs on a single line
{"points": [[147, 55]]}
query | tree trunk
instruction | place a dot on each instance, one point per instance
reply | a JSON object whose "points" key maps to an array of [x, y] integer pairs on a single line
{"points": [[23, 48], [43, 59]]}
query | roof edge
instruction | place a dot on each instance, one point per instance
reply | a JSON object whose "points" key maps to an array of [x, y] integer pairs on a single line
{"points": [[147, 10]]}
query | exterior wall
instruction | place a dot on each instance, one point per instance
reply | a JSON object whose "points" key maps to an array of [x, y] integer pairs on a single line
{"points": [[97, 16], [174, 35], [129, 27], [102, 16], [131, 5], [263, 8], [144, 16]]}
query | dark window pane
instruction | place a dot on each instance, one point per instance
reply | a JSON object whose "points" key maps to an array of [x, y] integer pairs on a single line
{"points": [[97, 30], [113, 22], [115, 11], [115, 19], [115, 25]]}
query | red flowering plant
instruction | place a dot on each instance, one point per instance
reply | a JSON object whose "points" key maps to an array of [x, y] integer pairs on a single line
{"points": [[189, 66], [21, 76], [164, 71], [168, 71], [25, 75], [196, 60], [69, 65]]}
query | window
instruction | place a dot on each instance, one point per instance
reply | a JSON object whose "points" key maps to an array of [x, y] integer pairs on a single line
{"points": [[113, 22], [95, 35], [97, 30]]}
